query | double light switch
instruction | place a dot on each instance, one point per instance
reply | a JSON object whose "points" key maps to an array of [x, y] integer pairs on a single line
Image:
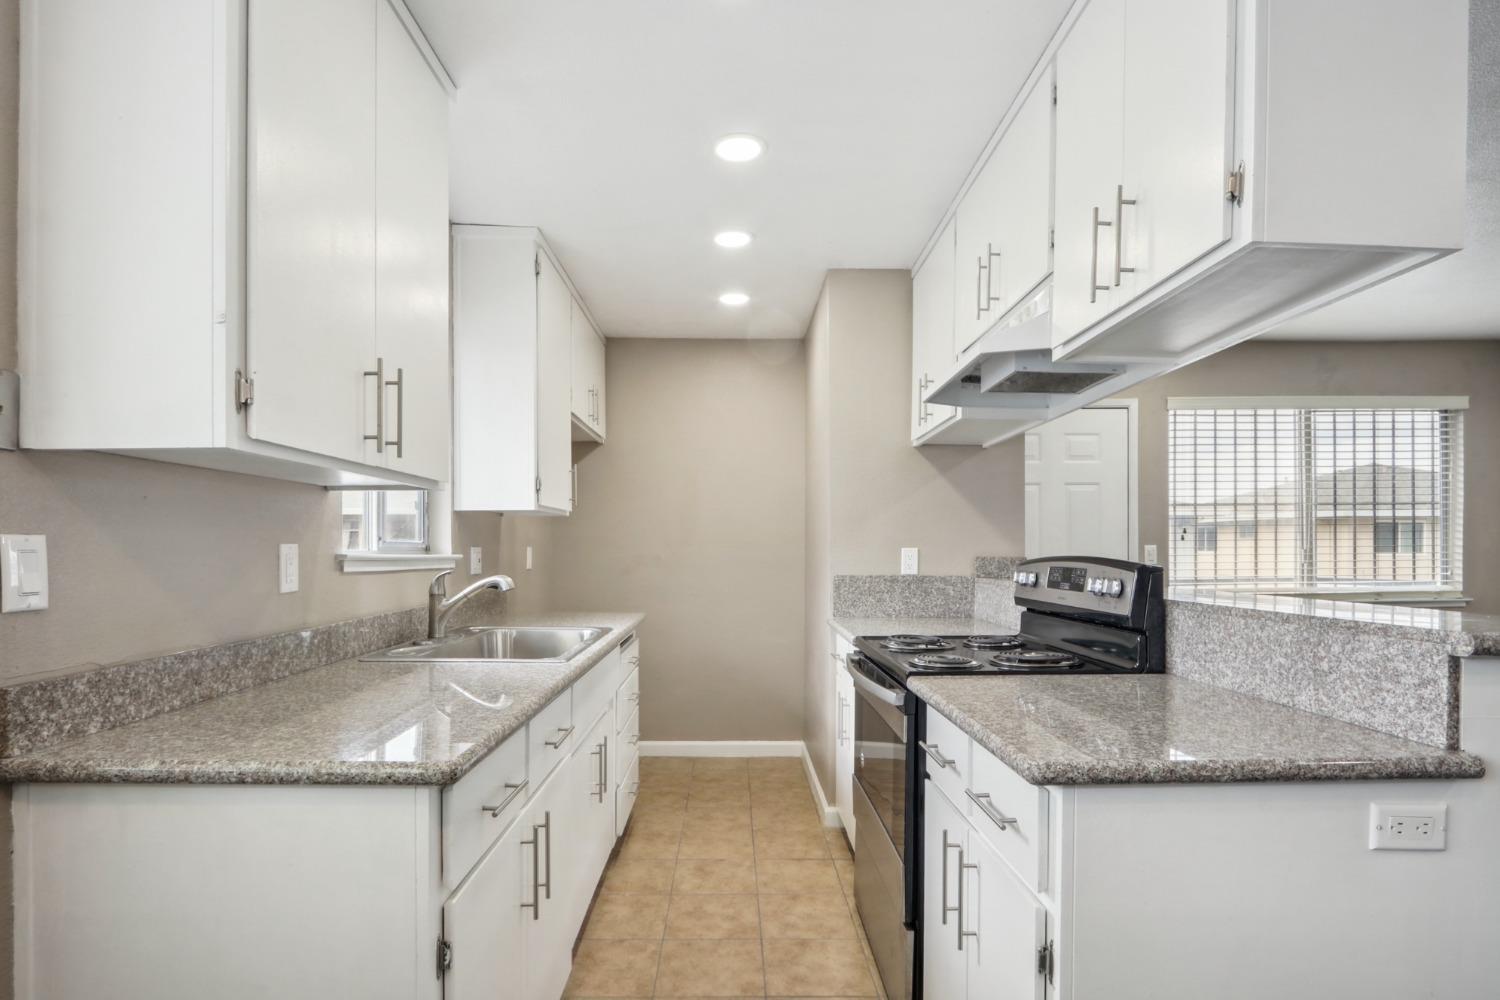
{"points": [[23, 573]]}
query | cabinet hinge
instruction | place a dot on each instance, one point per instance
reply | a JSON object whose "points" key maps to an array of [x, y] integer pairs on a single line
{"points": [[538, 486], [444, 957], [1052, 239], [244, 390], [1046, 961], [1054, 93], [536, 265], [1234, 190]]}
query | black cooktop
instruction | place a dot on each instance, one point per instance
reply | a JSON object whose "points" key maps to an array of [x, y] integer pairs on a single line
{"points": [[904, 655]]}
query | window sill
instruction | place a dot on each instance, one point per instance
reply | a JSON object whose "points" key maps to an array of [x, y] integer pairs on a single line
{"points": [[393, 562]]}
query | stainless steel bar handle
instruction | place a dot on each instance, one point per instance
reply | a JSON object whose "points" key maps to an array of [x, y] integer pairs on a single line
{"points": [[400, 384], [1120, 202], [980, 306], [948, 845], [932, 751], [602, 752], [574, 501], [379, 375], [921, 407], [982, 800], [562, 737], [515, 789], [547, 840], [1094, 287], [963, 866], [989, 273], [535, 906]]}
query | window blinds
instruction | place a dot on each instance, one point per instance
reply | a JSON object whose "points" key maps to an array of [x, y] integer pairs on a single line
{"points": [[1305, 497]]}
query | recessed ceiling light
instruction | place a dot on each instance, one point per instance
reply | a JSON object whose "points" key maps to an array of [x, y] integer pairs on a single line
{"points": [[739, 148], [732, 239], [734, 298]]}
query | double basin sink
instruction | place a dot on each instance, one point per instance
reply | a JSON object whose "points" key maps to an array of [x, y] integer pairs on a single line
{"points": [[486, 644]]}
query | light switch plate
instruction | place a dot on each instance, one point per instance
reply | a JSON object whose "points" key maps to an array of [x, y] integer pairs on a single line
{"points": [[287, 568], [1150, 556], [23, 573], [908, 562], [528, 557], [476, 560]]}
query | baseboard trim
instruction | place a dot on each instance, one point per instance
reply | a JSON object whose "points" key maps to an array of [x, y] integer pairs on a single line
{"points": [[830, 813], [722, 748]]}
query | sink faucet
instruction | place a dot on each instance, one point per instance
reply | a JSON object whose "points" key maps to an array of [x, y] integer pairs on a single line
{"points": [[440, 606]]}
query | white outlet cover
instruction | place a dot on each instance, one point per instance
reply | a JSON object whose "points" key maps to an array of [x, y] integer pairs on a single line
{"points": [[1408, 826], [476, 560], [1150, 556], [287, 570], [23, 573], [908, 562], [528, 557]]}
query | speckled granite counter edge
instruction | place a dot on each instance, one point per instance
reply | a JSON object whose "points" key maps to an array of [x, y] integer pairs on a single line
{"points": [[853, 626], [1439, 764], [39, 766]]}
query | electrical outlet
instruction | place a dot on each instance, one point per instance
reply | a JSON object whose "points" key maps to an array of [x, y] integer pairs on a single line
{"points": [[476, 560], [528, 557], [287, 574], [1408, 827], [908, 562], [1150, 556]]}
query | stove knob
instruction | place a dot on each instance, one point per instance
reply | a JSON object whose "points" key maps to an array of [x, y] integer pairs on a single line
{"points": [[1093, 585], [1116, 588], [1031, 579]]}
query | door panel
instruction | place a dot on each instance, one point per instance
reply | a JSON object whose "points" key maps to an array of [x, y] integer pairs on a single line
{"points": [[1178, 115], [482, 920], [1090, 149], [1009, 926], [978, 248], [943, 830], [311, 223], [932, 330], [1024, 203], [411, 276], [1078, 485]]}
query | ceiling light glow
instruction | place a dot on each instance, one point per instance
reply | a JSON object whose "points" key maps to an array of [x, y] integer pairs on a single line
{"points": [[739, 148], [732, 239], [734, 299]]}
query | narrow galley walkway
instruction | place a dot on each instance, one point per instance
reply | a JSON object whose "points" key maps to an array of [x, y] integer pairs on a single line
{"points": [[726, 885]]}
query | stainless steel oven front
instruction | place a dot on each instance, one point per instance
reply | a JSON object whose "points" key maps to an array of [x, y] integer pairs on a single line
{"points": [[884, 841]]}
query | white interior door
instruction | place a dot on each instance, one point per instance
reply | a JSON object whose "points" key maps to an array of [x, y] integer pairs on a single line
{"points": [[1078, 496]]}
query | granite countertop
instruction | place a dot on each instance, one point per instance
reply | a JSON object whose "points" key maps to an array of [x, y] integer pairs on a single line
{"points": [[346, 723], [1110, 730], [850, 628], [1462, 633]]}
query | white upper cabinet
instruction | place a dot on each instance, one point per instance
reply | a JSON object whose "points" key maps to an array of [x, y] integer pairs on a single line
{"points": [[209, 336], [588, 377], [512, 373], [932, 321]]}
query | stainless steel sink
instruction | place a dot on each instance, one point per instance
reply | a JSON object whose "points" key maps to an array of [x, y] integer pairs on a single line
{"points": [[495, 645]]}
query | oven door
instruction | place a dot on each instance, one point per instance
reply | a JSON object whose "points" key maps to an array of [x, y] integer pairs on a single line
{"points": [[882, 722]]}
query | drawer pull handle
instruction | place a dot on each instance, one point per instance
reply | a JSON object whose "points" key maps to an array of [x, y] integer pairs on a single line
{"points": [[562, 737], [515, 789], [982, 800], [936, 755]]}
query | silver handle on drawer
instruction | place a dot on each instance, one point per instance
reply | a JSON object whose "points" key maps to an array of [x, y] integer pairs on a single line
{"points": [[963, 866], [948, 845], [1094, 287], [535, 906], [1120, 202], [982, 800], [515, 790], [563, 734], [932, 751], [547, 840], [379, 375], [400, 385]]}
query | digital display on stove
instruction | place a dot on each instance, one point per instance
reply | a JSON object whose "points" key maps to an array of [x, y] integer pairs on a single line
{"points": [[1067, 578]]}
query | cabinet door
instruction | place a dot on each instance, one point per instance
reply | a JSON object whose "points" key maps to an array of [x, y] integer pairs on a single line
{"points": [[590, 832], [1023, 169], [1178, 114], [599, 352], [1005, 927], [581, 383], [1090, 73], [843, 779], [932, 304], [978, 248], [411, 251], [311, 224], [554, 310], [483, 920], [943, 829], [549, 879]]}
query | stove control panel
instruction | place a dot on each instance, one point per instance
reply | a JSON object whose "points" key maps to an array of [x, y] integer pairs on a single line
{"points": [[1113, 588]]}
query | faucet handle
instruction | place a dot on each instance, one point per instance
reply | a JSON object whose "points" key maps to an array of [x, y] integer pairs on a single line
{"points": [[439, 586]]}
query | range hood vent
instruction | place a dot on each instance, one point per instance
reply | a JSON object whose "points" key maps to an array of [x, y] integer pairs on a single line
{"points": [[1036, 372]]}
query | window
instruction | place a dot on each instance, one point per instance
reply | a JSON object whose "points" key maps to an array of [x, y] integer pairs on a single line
{"points": [[392, 521], [1322, 494]]}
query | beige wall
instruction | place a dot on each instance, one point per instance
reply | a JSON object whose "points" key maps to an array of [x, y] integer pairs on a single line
{"points": [[869, 491], [1449, 368], [693, 513]]}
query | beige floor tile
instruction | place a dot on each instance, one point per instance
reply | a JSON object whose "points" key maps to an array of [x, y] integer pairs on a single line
{"points": [[797, 815], [776, 765], [710, 969], [762, 795], [614, 969], [655, 822], [845, 870], [652, 801], [771, 842], [806, 915], [720, 765], [726, 819], [628, 875], [781, 875], [817, 968], [777, 779], [714, 876], [713, 916], [625, 916], [719, 795], [647, 845], [729, 843], [653, 766], [838, 844]]}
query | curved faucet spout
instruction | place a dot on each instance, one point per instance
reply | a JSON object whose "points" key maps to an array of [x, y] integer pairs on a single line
{"points": [[440, 606]]}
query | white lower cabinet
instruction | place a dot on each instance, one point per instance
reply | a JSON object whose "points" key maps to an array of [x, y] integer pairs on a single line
{"points": [[591, 815], [843, 734]]}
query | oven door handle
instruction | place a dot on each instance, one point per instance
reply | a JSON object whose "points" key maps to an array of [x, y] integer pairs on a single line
{"points": [[884, 695]]}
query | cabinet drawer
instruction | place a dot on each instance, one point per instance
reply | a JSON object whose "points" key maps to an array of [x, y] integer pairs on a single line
{"points": [[625, 795], [947, 756], [471, 819], [592, 692], [1011, 813], [627, 703], [550, 738], [629, 742]]}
